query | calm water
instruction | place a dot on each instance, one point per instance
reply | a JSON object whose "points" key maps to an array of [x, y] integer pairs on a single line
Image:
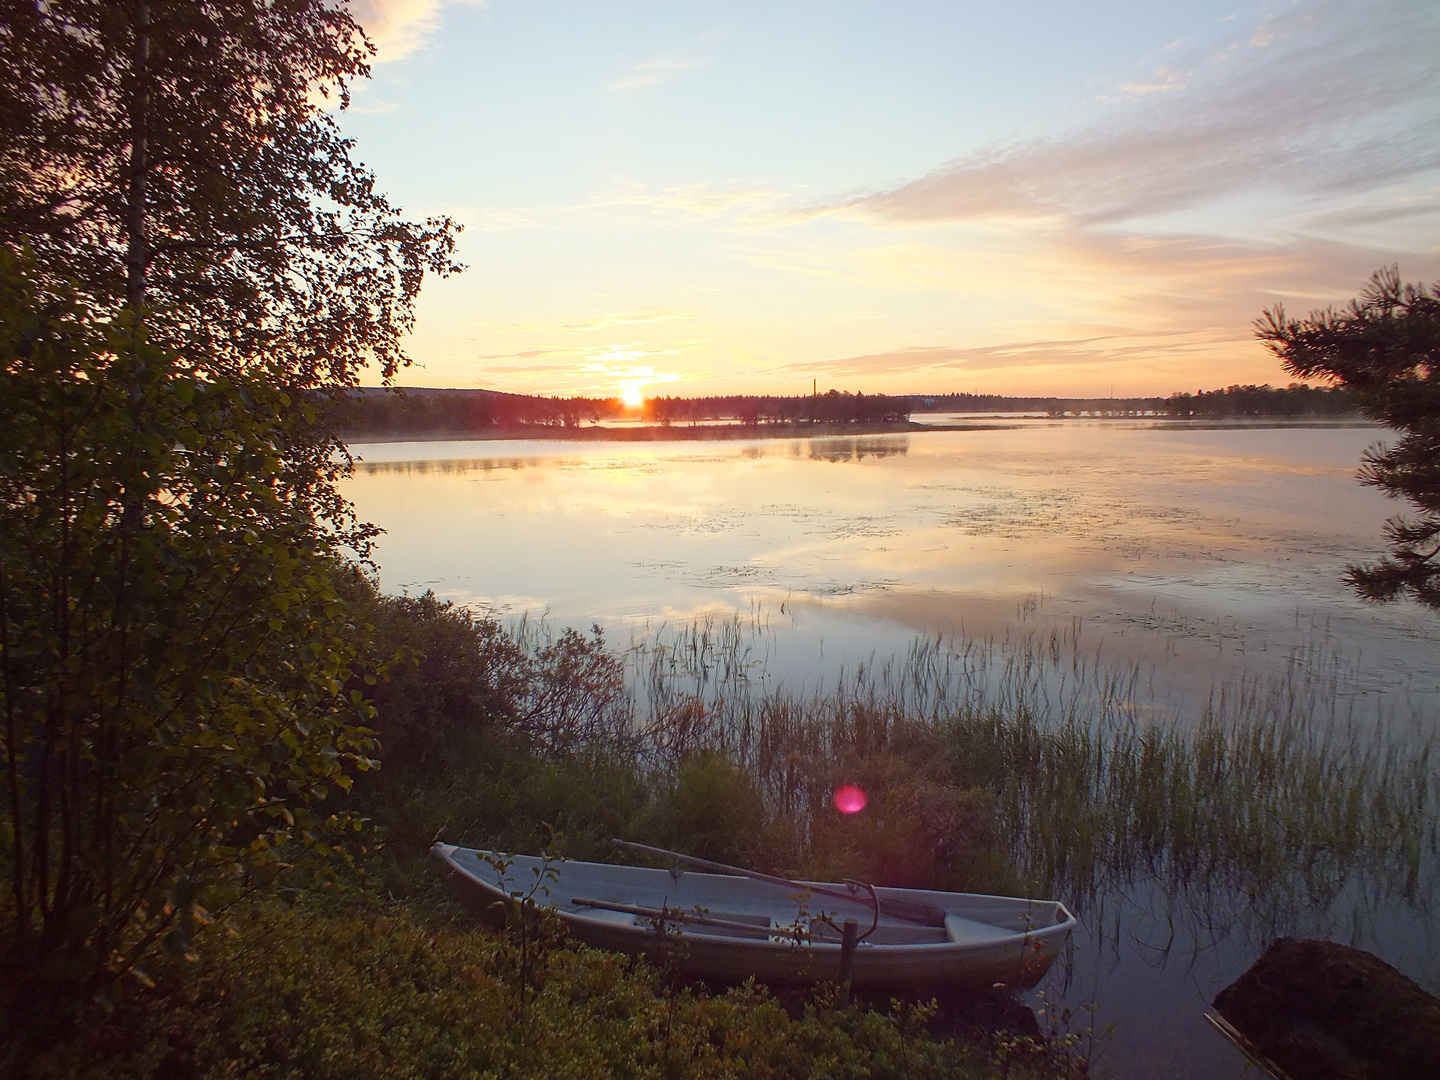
{"points": [[1205, 552], [1205, 555]]}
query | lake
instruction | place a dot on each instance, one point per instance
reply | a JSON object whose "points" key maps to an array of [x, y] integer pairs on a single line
{"points": [[1201, 556]]}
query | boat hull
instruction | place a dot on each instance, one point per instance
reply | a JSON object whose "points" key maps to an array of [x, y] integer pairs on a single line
{"points": [[986, 940]]}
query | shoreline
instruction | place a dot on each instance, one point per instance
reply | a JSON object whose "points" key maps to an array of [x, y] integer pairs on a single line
{"points": [[731, 432], [658, 432]]}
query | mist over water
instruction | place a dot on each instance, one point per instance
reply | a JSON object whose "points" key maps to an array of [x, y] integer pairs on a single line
{"points": [[1186, 574]]}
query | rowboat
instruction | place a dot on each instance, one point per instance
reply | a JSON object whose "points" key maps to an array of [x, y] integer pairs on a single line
{"points": [[737, 924]]}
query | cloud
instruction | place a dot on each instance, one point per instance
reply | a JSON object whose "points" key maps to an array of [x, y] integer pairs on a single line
{"points": [[398, 27], [917, 359], [601, 371], [1174, 358], [481, 220], [1083, 308], [1162, 81], [527, 369], [532, 354], [649, 72], [1324, 99], [747, 206], [626, 318], [1353, 216], [365, 107]]}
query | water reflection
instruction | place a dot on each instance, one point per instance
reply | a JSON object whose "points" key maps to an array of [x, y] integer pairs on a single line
{"points": [[1206, 553], [443, 466], [857, 449], [833, 449]]}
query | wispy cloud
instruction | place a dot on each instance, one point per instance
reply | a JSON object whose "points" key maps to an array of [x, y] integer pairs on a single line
{"points": [[1171, 310], [484, 220], [648, 73], [1400, 210], [942, 360], [1162, 81], [600, 369], [398, 27], [1326, 98], [526, 369], [626, 318], [746, 206], [364, 106]]}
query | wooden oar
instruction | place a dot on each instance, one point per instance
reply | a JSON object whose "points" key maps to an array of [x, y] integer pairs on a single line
{"points": [[908, 910]]}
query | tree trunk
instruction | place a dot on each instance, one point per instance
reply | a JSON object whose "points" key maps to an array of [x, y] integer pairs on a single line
{"points": [[137, 256]]}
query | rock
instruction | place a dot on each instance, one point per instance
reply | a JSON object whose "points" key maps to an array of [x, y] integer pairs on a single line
{"points": [[1322, 1011]]}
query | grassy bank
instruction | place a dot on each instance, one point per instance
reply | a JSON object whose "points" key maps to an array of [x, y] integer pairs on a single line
{"points": [[1015, 765]]}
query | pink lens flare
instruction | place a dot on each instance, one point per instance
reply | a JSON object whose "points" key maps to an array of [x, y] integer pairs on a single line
{"points": [[849, 799]]}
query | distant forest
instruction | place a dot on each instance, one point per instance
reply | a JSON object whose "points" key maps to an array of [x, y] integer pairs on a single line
{"points": [[418, 411], [385, 412], [1231, 402]]}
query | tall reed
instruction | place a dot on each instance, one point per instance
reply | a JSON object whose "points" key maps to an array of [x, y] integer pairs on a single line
{"points": [[1281, 789]]}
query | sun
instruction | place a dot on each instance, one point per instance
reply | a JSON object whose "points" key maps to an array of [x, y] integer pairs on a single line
{"points": [[632, 397]]}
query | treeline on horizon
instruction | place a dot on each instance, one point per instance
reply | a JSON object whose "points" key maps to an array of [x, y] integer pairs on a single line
{"points": [[1234, 401], [375, 412], [381, 412]]}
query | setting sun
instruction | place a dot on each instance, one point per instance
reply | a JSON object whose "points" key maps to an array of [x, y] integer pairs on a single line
{"points": [[632, 397]]}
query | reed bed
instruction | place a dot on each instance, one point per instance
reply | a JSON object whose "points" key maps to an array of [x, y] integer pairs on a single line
{"points": [[1285, 791]]}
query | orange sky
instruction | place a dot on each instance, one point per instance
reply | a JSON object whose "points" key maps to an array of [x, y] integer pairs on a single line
{"points": [[1047, 198]]}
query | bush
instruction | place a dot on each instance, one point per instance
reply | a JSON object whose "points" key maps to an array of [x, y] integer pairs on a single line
{"points": [[501, 738], [374, 994], [448, 676], [711, 809]]}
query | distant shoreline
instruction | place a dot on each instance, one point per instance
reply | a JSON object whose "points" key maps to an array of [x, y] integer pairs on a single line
{"points": [[726, 432], [658, 432]]}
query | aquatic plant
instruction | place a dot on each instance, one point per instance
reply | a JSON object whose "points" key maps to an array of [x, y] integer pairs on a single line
{"points": [[1281, 789], [1024, 761]]}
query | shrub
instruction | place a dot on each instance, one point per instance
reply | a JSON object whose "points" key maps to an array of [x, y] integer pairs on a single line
{"points": [[376, 995], [711, 809], [175, 652]]}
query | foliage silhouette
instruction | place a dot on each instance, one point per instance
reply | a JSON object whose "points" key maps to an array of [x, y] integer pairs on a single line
{"points": [[189, 259], [183, 155], [1385, 350], [173, 681]]}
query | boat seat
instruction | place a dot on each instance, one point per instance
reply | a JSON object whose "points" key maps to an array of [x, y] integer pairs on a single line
{"points": [[964, 931], [618, 918]]}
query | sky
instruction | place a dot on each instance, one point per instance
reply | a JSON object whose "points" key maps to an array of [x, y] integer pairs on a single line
{"points": [[1043, 197]]}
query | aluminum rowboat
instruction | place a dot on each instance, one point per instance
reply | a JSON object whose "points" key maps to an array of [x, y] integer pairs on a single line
{"points": [[732, 928]]}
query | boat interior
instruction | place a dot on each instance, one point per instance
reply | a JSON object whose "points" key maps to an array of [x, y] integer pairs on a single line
{"points": [[722, 906], [957, 930]]}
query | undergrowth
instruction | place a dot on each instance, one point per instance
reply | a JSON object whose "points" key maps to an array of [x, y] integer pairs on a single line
{"points": [[315, 993]]}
